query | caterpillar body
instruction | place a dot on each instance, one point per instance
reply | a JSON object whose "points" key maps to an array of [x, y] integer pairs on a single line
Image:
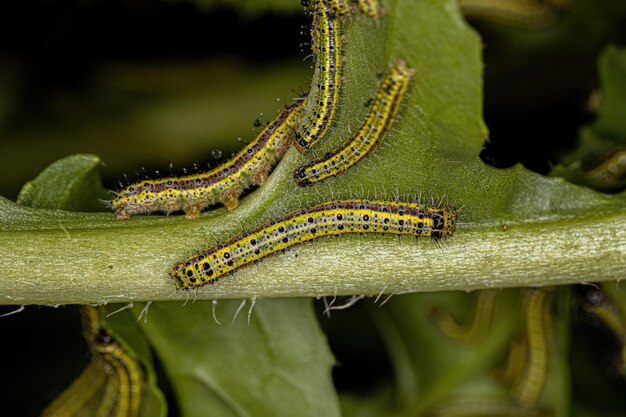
{"points": [[370, 7], [327, 46], [382, 114], [193, 193], [111, 385], [538, 323], [126, 376], [339, 7], [327, 219]]}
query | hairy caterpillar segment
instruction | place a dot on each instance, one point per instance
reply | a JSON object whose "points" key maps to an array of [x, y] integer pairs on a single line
{"points": [[112, 383], [126, 375], [371, 8], [538, 323], [381, 116], [327, 219], [193, 193], [124, 384], [322, 107], [339, 7], [336, 8]]}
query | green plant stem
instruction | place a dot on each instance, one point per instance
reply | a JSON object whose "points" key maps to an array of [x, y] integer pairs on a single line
{"points": [[99, 265]]}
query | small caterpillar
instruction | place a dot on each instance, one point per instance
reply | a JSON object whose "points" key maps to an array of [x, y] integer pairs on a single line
{"points": [[112, 383], [327, 219], [327, 47], [125, 387], [192, 193], [347, 7], [382, 114], [538, 323], [370, 7], [483, 316], [516, 361], [338, 7]]}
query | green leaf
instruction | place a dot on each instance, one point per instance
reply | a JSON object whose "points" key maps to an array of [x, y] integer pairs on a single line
{"points": [[72, 184], [271, 360]]}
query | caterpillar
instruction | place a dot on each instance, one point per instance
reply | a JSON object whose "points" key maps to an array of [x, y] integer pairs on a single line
{"points": [[327, 219], [193, 193], [382, 114], [338, 7], [112, 383], [347, 7], [514, 369], [538, 324], [124, 390], [74, 399], [370, 7], [483, 316], [327, 47]]}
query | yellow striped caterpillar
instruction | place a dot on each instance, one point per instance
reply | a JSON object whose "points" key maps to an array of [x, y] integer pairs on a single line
{"points": [[321, 108], [370, 7], [347, 7], [111, 385], [125, 386], [193, 193], [338, 7], [326, 44], [483, 316], [327, 219], [538, 326], [382, 114]]}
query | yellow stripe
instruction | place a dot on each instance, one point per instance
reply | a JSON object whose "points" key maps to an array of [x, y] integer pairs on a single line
{"points": [[382, 114], [327, 219], [371, 8], [248, 167], [321, 109], [483, 316], [538, 323], [112, 384], [78, 394], [128, 375]]}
